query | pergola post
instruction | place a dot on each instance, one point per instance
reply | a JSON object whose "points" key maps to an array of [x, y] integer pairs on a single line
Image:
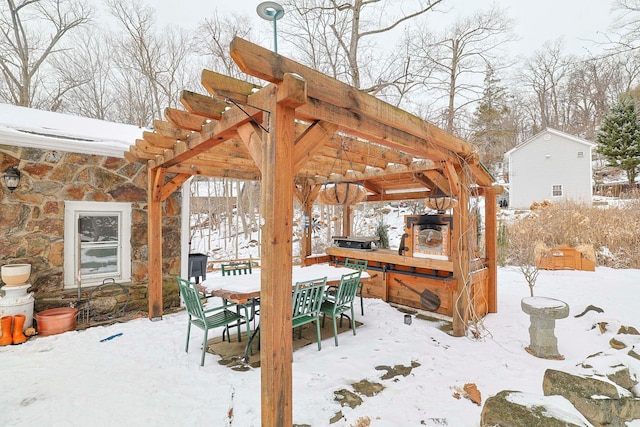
{"points": [[306, 198], [154, 238], [460, 256], [275, 297], [491, 247], [346, 220]]}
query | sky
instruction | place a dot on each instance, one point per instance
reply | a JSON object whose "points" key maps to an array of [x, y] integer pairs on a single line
{"points": [[579, 21]]}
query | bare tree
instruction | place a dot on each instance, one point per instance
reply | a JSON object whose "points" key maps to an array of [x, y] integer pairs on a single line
{"points": [[626, 24], [31, 33], [213, 38], [338, 38], [460, 55], [150, 64], [91, 58], [546, 75]]}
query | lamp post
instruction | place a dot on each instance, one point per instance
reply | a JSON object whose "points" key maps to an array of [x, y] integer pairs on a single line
{"points": [[12, 178], [271, 11]]}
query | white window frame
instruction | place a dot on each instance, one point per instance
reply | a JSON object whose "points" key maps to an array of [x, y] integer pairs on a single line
{"points": [[556, 188], [72, 211]]}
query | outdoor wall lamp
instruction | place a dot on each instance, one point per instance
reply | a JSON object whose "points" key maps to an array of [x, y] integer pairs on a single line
{"points": [[12, 178]]}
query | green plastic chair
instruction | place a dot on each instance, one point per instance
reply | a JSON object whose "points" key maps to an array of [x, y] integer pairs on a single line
{"points": [[206, 319], [360, 265], [236, 268], [307, 298], [239, 268], [342, 301]]}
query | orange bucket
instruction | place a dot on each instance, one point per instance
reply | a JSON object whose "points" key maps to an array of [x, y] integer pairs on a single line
{"points": [[56, 320]]}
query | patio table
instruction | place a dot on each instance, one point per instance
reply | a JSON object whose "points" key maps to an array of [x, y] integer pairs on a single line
{"points": [[240, 289], [246, 287]]}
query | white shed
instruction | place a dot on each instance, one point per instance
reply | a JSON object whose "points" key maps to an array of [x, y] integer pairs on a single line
{"points": [[551, 165]]}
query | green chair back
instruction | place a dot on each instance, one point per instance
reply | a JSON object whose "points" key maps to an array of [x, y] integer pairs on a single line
{"points": [[361, 265], [347, 290], [342, 301], [237, 268], [206, 319], [191, 298], [307, 298], [356, 264]]}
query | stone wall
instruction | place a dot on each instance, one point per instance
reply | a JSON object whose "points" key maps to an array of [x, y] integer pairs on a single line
{"points": [[32, 220]]}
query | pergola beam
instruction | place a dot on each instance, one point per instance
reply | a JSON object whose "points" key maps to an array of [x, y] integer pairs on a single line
{"points": [[265, 64]]}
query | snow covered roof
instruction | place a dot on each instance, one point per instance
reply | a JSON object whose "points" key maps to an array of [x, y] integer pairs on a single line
{"points": [[28, 127], [554, 132]]}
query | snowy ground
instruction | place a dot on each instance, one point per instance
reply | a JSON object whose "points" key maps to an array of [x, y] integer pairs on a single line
{"points": [[144, 377]]}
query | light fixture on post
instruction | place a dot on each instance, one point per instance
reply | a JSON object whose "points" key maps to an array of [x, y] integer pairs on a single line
{"points": [[271, 11], [341, 192], [12, 178]]}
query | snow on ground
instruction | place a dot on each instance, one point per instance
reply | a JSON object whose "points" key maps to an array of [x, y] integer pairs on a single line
{"points": [[144, 377]]}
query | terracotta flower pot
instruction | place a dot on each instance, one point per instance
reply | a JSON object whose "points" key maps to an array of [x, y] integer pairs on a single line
{"points": [[56, 320]]}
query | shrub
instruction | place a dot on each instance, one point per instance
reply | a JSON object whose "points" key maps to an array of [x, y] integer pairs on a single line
{"points": [[613, 231]]}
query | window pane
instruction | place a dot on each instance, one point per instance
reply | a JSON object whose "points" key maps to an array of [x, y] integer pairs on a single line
{"points": [[97, 228], [98, 260]]}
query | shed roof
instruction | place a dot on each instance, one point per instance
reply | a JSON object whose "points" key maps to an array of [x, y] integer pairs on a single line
{"points": [[553, 132]]}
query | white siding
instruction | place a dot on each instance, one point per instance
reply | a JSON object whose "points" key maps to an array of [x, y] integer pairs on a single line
{"points": [[549, 159]]}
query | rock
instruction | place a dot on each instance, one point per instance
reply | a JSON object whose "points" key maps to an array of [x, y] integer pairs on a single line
{"points": [[568, 385], [472, 393], [590, 308], [367, 388], [628, 330], [603, 412], [623, 377], [617, 344], [347, 398], [599, 401], [517, 409]]}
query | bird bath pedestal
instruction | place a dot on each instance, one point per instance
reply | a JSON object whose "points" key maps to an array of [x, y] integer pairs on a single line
{"points": [[543, 313]]}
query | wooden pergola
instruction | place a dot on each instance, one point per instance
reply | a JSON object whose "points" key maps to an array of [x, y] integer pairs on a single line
{"points": [[291, 134]]}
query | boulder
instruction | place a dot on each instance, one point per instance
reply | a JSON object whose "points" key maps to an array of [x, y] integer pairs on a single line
{"points": [[517, 409], [599, 401]]}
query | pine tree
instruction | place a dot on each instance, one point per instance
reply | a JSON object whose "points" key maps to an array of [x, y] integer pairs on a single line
{"points": [[493, 130], [619, 137]]}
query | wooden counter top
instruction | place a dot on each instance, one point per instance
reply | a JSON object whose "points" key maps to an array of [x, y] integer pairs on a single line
{"points": [[391, 257]]}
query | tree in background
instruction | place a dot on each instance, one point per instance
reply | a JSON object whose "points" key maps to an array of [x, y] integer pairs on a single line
{"points": [[546, 75], [619, 137], [338, 38], [152, 66], [458, 56], [494, 131], [31, 34], [213, 38]]}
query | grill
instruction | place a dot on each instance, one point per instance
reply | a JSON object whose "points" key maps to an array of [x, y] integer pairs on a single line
{"points": [[367, 243]]}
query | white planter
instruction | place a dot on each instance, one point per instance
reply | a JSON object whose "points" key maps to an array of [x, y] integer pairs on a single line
{"points": [[15, 274]]}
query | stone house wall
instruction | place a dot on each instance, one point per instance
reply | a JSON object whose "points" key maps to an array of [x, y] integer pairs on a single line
{"points": [[32, 220]]}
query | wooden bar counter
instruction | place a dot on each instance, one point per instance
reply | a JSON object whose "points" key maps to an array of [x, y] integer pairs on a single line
{"points": [[405, 280]]}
